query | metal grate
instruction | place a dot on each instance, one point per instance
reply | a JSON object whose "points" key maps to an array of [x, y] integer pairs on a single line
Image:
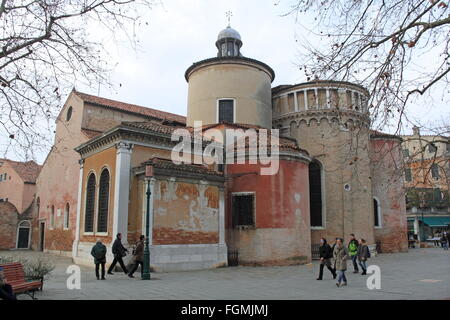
{"points": [[233, 257]]}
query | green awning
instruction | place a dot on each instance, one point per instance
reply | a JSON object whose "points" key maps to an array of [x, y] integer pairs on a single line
{"points": [[436, 221]]}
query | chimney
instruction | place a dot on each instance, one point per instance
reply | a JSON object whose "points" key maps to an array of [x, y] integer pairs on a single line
{"points": [[416, 131]]}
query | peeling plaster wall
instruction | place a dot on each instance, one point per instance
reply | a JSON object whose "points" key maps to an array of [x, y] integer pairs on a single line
{"points": [[185, 213], [282, 233]]}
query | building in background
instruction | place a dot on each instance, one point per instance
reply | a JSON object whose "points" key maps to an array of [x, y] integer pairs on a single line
{"points": [[427, 179], [17, 194]]}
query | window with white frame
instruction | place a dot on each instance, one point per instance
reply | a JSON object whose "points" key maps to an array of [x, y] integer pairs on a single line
{"points": [[226, 110]]}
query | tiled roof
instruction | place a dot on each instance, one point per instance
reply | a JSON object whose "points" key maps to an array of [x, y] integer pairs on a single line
{"points": [[28, 171], [90, 133], [287, 144], [167, 164], [132, 108], [154, 126], [379, 134]]}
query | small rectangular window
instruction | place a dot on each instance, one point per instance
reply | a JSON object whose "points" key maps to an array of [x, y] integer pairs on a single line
{"points": [[243, 210], [432, 148], [435, 171], [408, 175], [405, 153], [226, 110]]}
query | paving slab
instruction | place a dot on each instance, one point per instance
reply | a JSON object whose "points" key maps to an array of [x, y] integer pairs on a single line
{"points": [[418, 274]]}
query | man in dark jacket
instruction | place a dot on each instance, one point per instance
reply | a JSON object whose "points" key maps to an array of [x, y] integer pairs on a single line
{"points": [[138, 256], [326, 254], [353, 252], [119, 251], [99, 253], [363, 255]]}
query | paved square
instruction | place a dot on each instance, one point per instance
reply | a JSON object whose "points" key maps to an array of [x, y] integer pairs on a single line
{"points": [[418, 274]]}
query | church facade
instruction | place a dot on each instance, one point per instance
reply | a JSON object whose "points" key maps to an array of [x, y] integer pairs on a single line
{"points": [[334, 176]]}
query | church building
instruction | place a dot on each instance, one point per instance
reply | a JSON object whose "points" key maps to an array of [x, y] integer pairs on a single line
{"points": [[335, 176]]}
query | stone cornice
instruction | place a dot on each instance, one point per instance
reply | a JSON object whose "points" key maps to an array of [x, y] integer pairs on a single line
{"points": [[230, 60]]}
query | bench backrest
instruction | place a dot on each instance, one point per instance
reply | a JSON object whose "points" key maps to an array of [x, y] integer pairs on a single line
{"points": [[13, 272]]}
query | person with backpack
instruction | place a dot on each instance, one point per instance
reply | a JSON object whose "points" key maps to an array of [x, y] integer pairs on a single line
{"points": [[340, 255], [138, 256], [363, 255], [119, 251], [99, 253], [325, 253], [353, 251]]}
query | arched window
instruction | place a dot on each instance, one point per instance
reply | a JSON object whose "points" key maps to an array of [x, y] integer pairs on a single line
{"points": [[38, 205], [66, 216], [90, 204], [52, 217], [69, 113], [315, 194], [103, 201], [376, 213]]}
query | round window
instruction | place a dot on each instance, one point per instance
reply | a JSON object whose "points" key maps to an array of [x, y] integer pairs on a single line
{"points": [[69, 114]]}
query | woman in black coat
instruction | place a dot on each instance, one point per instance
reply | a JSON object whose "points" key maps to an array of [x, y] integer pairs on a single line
{"points": [[326, 254]]}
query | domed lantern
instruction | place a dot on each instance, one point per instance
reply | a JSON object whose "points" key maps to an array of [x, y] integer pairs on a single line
{"points": [[229, 43]]}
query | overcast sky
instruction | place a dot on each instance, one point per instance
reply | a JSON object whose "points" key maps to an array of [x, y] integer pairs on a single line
{"points": [[182, 32]]}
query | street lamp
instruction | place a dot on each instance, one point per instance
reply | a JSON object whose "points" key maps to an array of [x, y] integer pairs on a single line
{"points": [[146, 267], [422, 205]]}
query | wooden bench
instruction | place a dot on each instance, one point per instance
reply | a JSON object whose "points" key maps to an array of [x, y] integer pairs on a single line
{"points": [[15, 276]]}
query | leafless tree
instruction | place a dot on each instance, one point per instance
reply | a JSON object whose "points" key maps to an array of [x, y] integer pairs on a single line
{"points": [[46, 47], [398, 49]]}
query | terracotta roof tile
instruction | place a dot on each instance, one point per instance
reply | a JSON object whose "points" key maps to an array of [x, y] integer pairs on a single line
{"points": [[28, 171], [167, 164], [90, 133], [118, 105]]}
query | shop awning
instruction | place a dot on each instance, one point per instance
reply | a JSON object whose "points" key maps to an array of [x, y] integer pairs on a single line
{"points": [[434, 221]]}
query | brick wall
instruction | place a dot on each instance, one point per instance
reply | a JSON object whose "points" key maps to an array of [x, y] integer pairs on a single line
{"points": [[8, 225]]}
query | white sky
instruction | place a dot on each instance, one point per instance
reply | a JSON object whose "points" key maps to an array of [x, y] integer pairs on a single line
{"points": [[182, 32]]}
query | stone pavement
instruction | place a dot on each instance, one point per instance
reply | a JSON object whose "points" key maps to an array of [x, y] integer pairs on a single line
{"points": [[418, 274]]}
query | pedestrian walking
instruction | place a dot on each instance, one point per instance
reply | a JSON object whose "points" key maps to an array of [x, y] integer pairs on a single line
{"points": [[138, 256], [6, 291], [353, 251], [326, 254], [119, 251], [437, 238], [340, 255], [444, 241], [363, 255], [99, 253]]}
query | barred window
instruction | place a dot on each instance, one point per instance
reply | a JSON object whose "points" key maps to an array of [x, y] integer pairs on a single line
{"points": [[90, 204], [243, 210], [226, 110], [103, 201], [408, 175], [435, 171]]}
